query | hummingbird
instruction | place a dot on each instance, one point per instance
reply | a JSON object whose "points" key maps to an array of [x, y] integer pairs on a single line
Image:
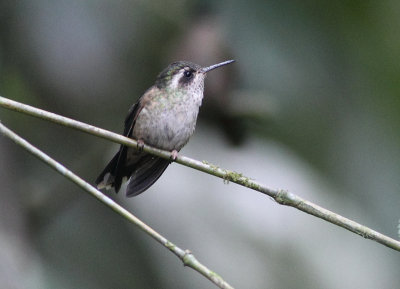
{"points": [[163, 117]]}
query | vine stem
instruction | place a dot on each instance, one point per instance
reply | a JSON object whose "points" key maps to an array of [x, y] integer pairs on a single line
{"points": [[280, 196], [186, 256]]}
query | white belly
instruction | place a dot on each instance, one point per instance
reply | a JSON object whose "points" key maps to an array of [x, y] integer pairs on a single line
{"points": [[167, 128]]}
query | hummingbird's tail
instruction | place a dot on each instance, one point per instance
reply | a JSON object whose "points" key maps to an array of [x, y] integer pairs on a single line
{"points": [[145, 173], [142, 173], [112, 175]]}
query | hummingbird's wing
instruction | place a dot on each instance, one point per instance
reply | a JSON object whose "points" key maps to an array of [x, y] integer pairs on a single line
{"points": [[115, 170], [145, 169]]}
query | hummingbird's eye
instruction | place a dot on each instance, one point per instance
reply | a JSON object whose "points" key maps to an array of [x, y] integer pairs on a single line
{"points": [[187, 73]]}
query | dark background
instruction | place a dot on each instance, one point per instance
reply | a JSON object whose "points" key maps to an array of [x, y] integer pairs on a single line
{"points": [[311, 105]]}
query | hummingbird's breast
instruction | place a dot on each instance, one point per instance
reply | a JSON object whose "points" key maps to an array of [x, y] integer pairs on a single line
{"points": [[168, 120]]}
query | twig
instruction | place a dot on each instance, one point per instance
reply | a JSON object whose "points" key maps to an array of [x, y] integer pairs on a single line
{"points": [[186, 256], [280, 196]]}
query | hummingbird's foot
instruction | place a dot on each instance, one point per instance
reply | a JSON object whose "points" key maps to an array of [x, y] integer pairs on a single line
{"points": [[174, 155], [140, 145]]}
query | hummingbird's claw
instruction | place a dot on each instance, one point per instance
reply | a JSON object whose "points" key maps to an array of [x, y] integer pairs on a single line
{"points": [[174, 155], [140, 145]]}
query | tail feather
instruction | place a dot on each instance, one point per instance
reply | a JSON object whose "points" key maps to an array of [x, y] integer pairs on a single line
{"points": [[113, 174], [142, 173], [146, 173]]}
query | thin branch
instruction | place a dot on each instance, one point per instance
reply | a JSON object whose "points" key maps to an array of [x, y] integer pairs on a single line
{"points": [[280, 196], [186, 256]]}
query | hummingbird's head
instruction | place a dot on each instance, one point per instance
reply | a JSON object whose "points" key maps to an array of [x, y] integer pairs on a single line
{"points": [[185, 75]]}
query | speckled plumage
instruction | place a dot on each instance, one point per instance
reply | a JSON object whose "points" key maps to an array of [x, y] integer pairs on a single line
{"points": [[164, 117]]}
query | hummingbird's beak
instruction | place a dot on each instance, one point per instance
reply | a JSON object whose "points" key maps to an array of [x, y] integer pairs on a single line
{"points": [[211, 67]]}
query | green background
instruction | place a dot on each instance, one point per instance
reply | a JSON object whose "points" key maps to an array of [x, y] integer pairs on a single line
{"points": [[311, 105]]}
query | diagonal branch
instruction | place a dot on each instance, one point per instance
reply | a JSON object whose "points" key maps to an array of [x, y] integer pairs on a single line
{"points": [[186, 256], [280, 196]]}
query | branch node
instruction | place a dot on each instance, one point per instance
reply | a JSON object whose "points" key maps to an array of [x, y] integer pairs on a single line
{"points": [[286, 198], [188, 258]]}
